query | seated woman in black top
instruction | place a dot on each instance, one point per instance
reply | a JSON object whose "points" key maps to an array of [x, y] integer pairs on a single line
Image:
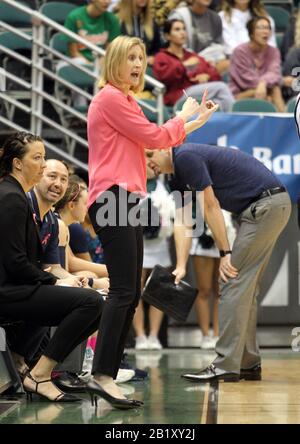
{"points": [[27, 292]]}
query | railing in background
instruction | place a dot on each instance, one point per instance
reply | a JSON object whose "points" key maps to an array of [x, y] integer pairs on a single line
{"points": [[33, 90]]}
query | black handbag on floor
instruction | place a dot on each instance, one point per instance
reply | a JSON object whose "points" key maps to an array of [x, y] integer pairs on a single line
{"points": [[161, 292]]}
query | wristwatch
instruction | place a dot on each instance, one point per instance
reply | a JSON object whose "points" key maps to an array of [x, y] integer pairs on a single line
{"points": [[223, 253]]}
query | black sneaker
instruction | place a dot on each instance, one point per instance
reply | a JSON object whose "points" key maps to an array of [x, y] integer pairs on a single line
{"points": [[69, 382], [251, 374]]}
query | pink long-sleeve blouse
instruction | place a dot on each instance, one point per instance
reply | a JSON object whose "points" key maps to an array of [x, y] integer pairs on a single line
{"points": [[248, 68], [118, 133]]}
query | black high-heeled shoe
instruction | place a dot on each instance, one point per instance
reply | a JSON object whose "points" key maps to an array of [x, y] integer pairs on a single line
{"points": [[62, 397], [95, 390]]}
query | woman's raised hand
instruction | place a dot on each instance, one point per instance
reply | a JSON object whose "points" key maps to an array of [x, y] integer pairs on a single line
{"points": [[189, 109], [205, 111], [207, 104]]}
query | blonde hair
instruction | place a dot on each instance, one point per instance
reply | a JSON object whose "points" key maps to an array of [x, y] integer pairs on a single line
{"points": [[256, 8], [115, 59], [297, 30], [126, 12]]}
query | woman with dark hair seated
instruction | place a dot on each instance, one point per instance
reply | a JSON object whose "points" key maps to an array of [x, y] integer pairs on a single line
{"points": [[179, 68], [28, 293]]}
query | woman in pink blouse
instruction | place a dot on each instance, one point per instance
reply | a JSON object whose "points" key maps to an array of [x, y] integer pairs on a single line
{"points": [[118, 133], [255, 69]]}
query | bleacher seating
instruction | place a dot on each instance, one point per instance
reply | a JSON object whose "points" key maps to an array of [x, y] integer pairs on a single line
{"points": [[291, 105], [22, 46], [11, 16], [153, 116], [280, 16], [78, 78], [59, 43], [289, 5], [253, 106], [57, 11]]}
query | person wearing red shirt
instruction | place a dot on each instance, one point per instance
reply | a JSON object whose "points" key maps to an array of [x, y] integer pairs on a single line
{"points": [[179, 68], [118, 133]]}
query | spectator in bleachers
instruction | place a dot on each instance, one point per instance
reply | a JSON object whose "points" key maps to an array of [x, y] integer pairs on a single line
{"points": [[98, 26], [161, 10], [179, 68], [136, 20], [235, 15], [95, 24], [27, 292], [255, 70], [113, 6], [291, 37], [204, 32], [215, 5], [290, 52]]}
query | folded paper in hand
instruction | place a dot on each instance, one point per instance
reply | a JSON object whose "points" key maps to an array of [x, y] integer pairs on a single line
{"points": [[162, 292]]}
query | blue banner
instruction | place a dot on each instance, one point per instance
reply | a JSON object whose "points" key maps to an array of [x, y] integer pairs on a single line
{"points": [[271, 139]]}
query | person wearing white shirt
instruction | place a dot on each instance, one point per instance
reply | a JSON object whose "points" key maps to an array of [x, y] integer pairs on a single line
{"points": [[234, 15]]}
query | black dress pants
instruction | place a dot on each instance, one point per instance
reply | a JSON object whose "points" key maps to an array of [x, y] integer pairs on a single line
{"points": [[123, 254], [75, 311], [29, 337]]}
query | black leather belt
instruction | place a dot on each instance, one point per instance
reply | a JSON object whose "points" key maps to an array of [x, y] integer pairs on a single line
{"points": [[269, 192]]}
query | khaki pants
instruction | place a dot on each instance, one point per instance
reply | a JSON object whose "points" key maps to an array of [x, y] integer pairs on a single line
{"points": [[260, 226]]}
